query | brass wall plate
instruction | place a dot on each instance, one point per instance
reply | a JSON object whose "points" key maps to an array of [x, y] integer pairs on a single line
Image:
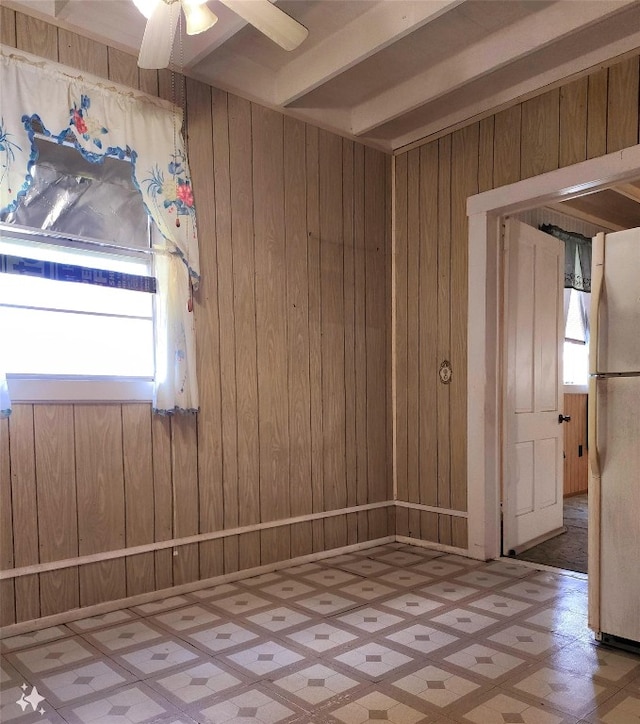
{"points": [[445, 373]]}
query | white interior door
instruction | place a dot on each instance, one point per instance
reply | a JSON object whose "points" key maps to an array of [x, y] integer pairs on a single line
{"points": [[533, 451]]}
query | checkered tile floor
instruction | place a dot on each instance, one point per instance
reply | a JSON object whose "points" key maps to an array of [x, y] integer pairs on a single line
{"points": [[396, 633]]}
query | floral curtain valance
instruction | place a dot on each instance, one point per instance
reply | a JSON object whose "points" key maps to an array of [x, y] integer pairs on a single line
{"points": [[577, 257], [100, 119]]}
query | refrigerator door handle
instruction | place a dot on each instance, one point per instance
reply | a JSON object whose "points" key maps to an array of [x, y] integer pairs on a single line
{"points": [[592, 422], [597, 279]]}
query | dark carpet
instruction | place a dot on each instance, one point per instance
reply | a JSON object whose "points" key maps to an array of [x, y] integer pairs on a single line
{"points": [[568, 550]]}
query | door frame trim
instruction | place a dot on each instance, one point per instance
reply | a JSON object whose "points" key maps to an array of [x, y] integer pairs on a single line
{"points": [[485, 382]]}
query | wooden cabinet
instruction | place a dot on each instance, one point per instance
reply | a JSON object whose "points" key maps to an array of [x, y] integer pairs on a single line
{"points": [[576, 466]]}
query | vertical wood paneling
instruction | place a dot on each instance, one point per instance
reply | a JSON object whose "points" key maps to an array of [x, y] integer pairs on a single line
{"points": [[57, 504], [295, 205], [388, 323], [148, 80], [162, 497], [540, 134], [184, 471], [485, 154], [100, 490], [576, 460], [506, 146], [444, 334], [622, 108], [7, 26], [123, 68], [37, 37], [219, 326], [7, 589], [271, 316], [24, 502], [573, 122], [376, 311], [413, 332], [82, 53], [360, 340], [200, 136], [241, 205], [597, 113], [401, 325], [226, 281], [464, 183], [138, 487], [349, 334], [413, 321], [315, 332], [332, 315], [428, 330]]}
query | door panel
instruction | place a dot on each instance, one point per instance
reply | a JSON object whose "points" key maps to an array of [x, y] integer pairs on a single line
{"points": [[533, 468]]}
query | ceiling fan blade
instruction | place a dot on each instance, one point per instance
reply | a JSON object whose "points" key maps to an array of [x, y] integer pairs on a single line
{"points": [[155, 51], [270, 20]]}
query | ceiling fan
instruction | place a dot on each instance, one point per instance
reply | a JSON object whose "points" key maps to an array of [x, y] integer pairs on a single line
{"points": [[163, 18]]}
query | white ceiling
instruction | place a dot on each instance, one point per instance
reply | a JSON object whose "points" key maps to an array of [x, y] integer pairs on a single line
{"points": [[388, 72]]}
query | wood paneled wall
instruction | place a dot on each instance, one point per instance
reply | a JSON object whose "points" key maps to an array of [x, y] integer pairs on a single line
{"points": [[293, 330], [588, 117], [576, 454]]}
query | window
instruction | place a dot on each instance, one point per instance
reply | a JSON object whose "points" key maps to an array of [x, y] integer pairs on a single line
{"points": [[576, 339], [84, 221]]}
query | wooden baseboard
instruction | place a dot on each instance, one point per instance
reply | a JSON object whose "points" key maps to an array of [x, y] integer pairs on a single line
{"points": [[142, 598]]}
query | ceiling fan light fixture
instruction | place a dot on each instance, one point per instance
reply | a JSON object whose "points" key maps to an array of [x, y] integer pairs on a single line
{"points": [[199, 17], [146, 7]]}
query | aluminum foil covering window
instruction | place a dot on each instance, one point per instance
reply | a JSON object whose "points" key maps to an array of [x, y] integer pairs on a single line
{"points": [[71, 195]]}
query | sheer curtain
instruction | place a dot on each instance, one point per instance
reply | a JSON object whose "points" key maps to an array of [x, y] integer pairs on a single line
{"points": [[577, 257], [101, 119]]}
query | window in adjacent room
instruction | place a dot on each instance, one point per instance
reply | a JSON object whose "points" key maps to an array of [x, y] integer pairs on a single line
{"points": [[576, 339]]}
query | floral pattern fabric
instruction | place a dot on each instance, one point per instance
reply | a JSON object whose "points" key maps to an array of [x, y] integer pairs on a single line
{"points": [[101, 120]]}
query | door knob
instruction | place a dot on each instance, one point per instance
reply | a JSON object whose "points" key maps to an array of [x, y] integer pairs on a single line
{"points": [[563, 418]]}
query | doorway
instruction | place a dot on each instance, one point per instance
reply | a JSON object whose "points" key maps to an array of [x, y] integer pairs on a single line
{"points": [[485, 372], [576, 222]]}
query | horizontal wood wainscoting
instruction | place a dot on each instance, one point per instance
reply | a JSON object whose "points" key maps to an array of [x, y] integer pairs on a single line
{"points": [[583, 119], [293, 331]]}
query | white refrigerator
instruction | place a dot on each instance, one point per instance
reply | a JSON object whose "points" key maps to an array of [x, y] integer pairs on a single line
{"points": [[614, 439]]}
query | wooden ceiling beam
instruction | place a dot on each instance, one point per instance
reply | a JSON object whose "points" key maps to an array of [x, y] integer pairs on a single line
{"points": [[526, 36], [566, 208], [363, 37]]}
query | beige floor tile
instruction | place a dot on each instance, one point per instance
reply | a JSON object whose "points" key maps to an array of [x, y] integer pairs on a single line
{"points": [[53, 655], [120, 637], [527, 640], [221, 637], [14, 643], [503, 709], [377, 707], [373, 659], [316, 684], [564, 690], [183, 619], [252, 705], [197, 682], [422, 638], [164, 655], [370, 619], [436, 686], [485, 661], [133, 705], [322, 637]]}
